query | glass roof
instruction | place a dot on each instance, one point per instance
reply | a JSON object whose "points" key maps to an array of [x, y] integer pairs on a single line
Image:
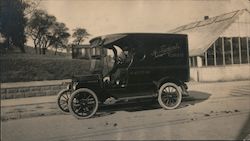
{"points": [[202, 34], [192, 25], [211, 20], [206, 22], [225, 16]]}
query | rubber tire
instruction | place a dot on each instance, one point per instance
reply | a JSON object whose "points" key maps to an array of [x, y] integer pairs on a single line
{"points": [[58, 99], [160, 93], [72, 97]]}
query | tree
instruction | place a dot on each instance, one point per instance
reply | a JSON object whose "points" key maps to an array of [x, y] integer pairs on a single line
{"points": [[46, 31], [59, 37], [39, 29], [13, 22], [32, 6], [80, 34]]}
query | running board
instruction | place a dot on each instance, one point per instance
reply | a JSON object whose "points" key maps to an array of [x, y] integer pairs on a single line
{"points": [[112, 100], [136, 97]]}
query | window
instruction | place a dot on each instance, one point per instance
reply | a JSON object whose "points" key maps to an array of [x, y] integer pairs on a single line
{"points": [[189, 60], [227, 50], [76, 53], [236, 51], [210, 56], [248, 49], [243, 42], [108, 61], [83, 51], [219, 53], [95, 51], [236, 57], [193, 61], [204, 59]]}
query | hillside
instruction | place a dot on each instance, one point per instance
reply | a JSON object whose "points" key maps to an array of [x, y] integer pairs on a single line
{"points": [[18, 67]]}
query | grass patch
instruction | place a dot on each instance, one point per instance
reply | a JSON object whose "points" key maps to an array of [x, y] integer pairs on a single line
{"points": [[18, 67]]}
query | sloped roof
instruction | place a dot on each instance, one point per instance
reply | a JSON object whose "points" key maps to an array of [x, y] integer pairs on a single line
{"points": [[110, 38], [202, 34]]}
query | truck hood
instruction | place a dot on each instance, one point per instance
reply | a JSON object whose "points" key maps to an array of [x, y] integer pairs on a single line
{"points": [[93, 78]]}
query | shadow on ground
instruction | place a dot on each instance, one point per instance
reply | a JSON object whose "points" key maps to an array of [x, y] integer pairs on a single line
{"points": [[194, 98], [150, 104]]}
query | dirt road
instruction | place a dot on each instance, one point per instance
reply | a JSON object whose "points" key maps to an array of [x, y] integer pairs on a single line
{"points": [[213, 111]]}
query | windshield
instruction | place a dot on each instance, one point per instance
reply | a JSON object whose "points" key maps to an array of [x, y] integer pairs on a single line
{"points": [[103, 60], [108, 61]]}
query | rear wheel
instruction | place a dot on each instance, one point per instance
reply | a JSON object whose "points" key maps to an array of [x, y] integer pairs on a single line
{"points": [[62, 100], [169, 96], [83, 103]]}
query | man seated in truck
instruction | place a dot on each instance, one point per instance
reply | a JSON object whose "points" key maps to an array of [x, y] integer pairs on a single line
{"points": [[118, 76]]}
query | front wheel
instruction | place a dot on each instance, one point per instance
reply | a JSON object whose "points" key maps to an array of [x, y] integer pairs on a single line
{"points": [[83, 103], [169, 96], [62, 100]]}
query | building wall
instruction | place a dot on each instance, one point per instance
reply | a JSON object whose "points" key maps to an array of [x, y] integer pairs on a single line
{"points": [[221, 73], [225, 60]]}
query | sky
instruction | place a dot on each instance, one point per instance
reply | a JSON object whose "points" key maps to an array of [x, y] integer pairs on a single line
{"points": [[102, 17]]}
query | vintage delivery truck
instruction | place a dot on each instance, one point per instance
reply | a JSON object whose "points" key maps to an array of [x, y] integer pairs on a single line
{"points": [[130, 66]]}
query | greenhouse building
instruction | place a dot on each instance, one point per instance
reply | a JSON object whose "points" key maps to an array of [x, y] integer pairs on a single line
{"points": [[219, 47]]}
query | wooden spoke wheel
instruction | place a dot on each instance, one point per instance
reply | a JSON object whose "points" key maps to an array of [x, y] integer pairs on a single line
{"points": [[62, 100], [169, 96], [83, 103]]}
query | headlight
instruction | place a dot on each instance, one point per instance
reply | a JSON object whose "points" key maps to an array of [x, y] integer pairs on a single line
{"points": [[74, 85], [68, 86]]}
